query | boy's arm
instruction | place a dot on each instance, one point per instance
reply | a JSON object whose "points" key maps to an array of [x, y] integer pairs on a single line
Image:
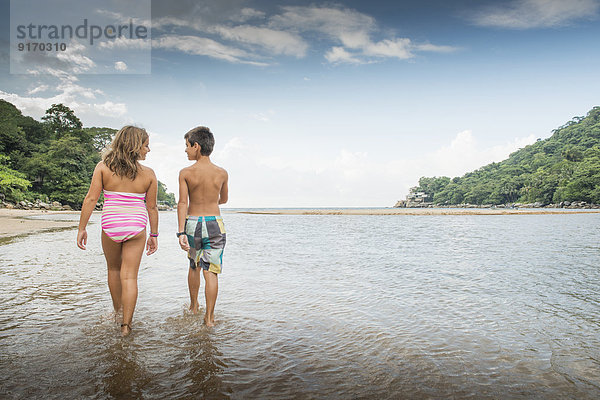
{"points": [[182, 208], [182, 203], [224, 195]]}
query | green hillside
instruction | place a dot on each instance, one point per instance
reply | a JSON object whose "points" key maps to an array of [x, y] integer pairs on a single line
{"points": [[52, 159], [564, 167]]}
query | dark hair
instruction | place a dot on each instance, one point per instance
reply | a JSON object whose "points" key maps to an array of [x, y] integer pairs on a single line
{"points": [[204, 137]]}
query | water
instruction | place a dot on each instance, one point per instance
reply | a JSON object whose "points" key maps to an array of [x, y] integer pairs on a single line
{"points": [[310, 307]]}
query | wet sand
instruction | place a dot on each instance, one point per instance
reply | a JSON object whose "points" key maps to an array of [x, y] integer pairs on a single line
{"points": [[18, 222], [417, 211]]}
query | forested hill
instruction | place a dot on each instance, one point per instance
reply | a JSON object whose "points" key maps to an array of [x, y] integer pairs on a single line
{"points": [[53, 159], [564, 167]]}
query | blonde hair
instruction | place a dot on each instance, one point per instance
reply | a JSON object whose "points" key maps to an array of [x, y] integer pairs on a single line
{"points": [[124, 151]]}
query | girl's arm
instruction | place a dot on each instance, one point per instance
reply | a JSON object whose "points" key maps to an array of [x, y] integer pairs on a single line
{"points": [[151, 194], [88, 205]]}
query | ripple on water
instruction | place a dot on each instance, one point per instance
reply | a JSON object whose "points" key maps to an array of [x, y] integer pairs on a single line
{"points": [[317, 307]]}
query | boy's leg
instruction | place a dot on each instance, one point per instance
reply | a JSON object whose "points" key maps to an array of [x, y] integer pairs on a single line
{"points": [[112, 253], [210, 292], [194, 286]]}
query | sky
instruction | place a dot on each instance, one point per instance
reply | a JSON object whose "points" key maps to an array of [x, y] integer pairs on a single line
{"points": [[320, 104]]}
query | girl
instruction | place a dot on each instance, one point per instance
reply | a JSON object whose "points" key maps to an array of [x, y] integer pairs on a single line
{"points": [[126, 184]]}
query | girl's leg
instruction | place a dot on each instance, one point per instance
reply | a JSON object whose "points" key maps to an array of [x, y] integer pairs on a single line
{"points": [[130, 264], [112, 253]]}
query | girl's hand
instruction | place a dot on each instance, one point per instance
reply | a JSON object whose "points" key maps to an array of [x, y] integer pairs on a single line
{"points": [[151, 245], [82, 239]]}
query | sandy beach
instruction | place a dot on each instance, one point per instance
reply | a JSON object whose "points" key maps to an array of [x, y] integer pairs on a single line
{"points": [[18, 222], [416, 211]]}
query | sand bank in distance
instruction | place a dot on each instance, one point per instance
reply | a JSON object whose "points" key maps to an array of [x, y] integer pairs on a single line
{"points": [[413, 211], [17, 222]]}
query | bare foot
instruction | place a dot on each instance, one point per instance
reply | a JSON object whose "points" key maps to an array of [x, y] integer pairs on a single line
{"points": [[194, 308], [125, 330], [209, 322]]}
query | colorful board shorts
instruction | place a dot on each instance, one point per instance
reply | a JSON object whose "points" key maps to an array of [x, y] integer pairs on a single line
{"points": [[206, 236]]}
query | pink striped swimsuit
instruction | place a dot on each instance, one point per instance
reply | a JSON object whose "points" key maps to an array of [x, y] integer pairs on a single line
{"points": [[124, 215]]}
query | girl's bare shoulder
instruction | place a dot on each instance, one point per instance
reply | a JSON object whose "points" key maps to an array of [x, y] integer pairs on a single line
{"points": [[145, 169], [102, 167]]}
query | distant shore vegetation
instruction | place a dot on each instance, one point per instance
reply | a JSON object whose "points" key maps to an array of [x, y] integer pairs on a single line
{"points": [[562, 168], [51, 160]]}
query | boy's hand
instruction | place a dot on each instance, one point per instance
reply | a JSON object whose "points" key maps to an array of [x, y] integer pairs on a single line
{"points": [[183, 242], [151, 245]]}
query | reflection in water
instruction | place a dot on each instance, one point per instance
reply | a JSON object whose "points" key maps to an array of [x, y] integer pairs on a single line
{"points": [[124, 377], [359, 307], [205, 368], [195, 348]]}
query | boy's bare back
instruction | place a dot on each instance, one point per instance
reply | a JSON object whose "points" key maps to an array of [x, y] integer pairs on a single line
{"points": [[206, 185]]}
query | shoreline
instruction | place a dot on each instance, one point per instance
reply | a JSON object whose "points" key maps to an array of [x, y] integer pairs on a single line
{"points": [[16, 223], [411, 211]]}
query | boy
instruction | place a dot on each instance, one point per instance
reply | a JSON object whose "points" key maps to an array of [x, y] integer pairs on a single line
{"points": [[201, 230]]}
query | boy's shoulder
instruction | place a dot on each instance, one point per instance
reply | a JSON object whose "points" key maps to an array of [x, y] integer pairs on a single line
{"points": [[195, 167], [185, 170], [220, 169]]}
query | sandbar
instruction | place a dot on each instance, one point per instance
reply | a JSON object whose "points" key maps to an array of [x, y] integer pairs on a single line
{"points": [[15, 222], [416, 211]]}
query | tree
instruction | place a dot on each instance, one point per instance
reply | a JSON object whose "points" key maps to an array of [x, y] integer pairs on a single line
{"points": [[68, 169], [100, 137], [164, 197], [60, 120], [12, 183], [572, 153], [566, 166]]}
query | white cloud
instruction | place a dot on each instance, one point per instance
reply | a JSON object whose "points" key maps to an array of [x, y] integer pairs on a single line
{"points": [[167, 21], [352, 33], [109, 109], [263, 116], [527, 14], [344, 178], [246, 14], [37, 89], [74, 56], [275, 41], [82, 100], [464, 154], [338, 54], [435, 48], [167, 158], [125, 43], [349, 26], [71, 61], [205, 47], [398, 48], [120, 66], [33, 106]]}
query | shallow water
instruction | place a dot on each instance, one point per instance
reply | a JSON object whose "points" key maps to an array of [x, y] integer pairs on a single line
{"points": [[317, 307]]}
